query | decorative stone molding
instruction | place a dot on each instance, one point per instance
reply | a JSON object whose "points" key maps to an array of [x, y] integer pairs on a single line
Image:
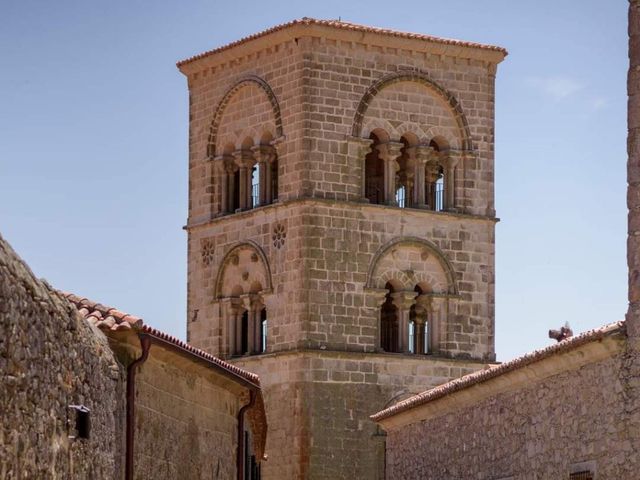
{"points": [[424, 79], [243, 82]]}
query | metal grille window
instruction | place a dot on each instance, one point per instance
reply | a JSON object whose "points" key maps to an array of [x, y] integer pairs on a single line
{"points": [[584, 475], [401, 196], [255, 186]]}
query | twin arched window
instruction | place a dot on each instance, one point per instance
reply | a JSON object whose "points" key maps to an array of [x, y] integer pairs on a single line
{"points": [[248, 328], [407, 322], [407, 174], [248, 177]]}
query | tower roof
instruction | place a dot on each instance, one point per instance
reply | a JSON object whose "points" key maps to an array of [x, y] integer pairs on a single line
{"points": [[307, 22]]}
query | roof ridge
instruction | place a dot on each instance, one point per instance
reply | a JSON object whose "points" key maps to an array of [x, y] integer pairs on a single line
{"points": [[345, 26], [491, 372], [110, 318]]}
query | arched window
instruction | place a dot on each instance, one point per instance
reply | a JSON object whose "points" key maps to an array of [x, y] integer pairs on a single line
{"points": [[263, 330], [435, 182], [255, 185], [389, 323], [374, 173]]}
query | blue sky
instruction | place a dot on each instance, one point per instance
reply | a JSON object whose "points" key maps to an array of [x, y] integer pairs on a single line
{"points": [[93, 146]]}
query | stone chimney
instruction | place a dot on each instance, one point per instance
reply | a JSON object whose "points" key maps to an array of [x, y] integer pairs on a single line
{"points": [[633, 170]]}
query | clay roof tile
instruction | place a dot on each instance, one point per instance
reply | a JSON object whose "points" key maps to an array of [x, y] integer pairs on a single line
{"points": [[343, 26]]}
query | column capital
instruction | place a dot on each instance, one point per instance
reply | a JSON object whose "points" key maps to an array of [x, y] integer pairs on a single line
{"points": [[390, 150], [378, 294], [422, 153], [264, 153], [223, 162], [244, 158], [404, 300]]}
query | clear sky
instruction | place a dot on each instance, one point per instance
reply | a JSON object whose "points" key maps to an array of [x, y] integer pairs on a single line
{"points": [[93, 145]]}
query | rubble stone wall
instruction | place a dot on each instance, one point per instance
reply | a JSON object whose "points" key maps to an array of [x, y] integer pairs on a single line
{"points": [[50, 358]]}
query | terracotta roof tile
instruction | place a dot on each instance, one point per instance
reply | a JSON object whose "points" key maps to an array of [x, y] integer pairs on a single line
{"points": [[109, 318], [480, 376], [343, 26], [112, 319]]}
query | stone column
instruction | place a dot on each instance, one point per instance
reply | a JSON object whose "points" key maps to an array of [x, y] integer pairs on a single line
{"points": [[264, 155], [244, 161], [256, 330], [438, 322], [226, 324], [389, 152], [633, 170], [423, 305], [449, 181], [420, 154], [403, 301], [233, 311], [358, 149], [379, 296], [221, 169]]}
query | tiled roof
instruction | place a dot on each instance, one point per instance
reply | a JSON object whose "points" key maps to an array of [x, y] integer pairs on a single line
{"points": [[108, 318], [343, 26], [495, 371]]}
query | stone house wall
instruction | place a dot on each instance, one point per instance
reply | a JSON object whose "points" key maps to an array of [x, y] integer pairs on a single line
{"points": [[51, 358], [186, 420], [577, 420], [318, 406]]}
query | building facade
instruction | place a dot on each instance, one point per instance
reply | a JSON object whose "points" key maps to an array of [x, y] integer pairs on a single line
{"points": [[341, 226]]}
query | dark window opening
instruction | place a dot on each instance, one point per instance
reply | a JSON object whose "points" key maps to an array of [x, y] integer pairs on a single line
{"points": [[235, 196], [389, 324], [274, 180], [374, 174], [263, 330], [255, 186], [244, 336]]}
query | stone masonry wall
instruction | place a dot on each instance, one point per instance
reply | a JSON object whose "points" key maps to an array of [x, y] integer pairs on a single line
{"points": [[339, 75], [324, 261], [540, 431], [318, 406], [633, 169], [341, 242], [186, 424], [50, 358], [281, 68], [209, 244]]}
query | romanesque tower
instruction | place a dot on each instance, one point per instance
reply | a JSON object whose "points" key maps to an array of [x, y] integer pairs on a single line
{"points": [[341, 226]]}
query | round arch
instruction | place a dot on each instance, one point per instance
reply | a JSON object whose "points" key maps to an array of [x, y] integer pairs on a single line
{"points": [[232, 257], [418, 77], [442, 260], [243, 82]]}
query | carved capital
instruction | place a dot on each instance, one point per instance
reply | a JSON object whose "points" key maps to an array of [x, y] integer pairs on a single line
{"points": [[244, 158], [390, 150], [264, 153], [404, 300]]}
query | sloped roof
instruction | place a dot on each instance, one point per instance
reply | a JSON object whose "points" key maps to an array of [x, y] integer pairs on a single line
{"points": [[338, 24], [112, 320], [492, 372]]}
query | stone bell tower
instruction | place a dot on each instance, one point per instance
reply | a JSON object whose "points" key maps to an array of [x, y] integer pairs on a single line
{"points": [[341, 226]]}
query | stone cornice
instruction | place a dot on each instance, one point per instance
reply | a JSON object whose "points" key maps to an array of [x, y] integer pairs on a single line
{"points": [[347, 204], [274, 38]]}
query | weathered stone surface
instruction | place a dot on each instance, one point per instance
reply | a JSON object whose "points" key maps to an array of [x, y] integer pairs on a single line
{"points": [[328, 252], [51, 358], [540, 431], [633, 169]]}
